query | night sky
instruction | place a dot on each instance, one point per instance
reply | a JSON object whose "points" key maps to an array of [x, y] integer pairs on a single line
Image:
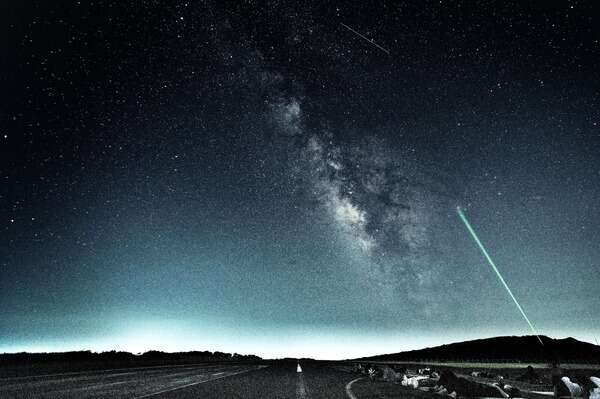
{"points": [[255, 177]]}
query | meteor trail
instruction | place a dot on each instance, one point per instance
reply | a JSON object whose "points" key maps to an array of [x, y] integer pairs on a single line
{"points": [[366, 38], [491, 262]]}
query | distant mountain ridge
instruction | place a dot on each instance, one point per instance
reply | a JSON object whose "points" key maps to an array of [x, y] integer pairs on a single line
{"points": [[157, 356], [507, 348], [24, 363]]}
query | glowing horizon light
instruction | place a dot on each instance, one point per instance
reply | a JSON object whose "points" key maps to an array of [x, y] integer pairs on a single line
{"points": [[493, 265]]}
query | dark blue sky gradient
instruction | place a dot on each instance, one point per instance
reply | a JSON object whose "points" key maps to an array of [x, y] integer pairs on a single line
{"points": [[257, 179]]}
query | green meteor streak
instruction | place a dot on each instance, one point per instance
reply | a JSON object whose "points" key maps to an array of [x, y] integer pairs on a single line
{"points": [[491, 262]]}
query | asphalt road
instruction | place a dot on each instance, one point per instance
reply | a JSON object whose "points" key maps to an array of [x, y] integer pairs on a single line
{"points": [[221, 381]]}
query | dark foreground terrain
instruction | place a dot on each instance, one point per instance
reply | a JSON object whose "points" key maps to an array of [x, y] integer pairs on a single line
{"points": [[258, 380], [268, 379]]}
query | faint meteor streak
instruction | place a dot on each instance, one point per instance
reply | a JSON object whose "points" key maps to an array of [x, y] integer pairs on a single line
{"points": [[491, 262], [366, 38]]}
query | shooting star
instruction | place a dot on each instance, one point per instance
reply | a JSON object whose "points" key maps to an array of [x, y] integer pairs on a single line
{"points": [[366, 38], [491, 262]]}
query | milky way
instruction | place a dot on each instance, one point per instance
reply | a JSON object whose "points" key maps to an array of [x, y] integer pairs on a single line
{"points": [[382, 202]]}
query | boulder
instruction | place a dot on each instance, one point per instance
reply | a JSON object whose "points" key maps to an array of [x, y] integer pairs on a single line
{"points": [[428, 382], [568, 388], [464, 387], [592, 387], [513, 392], [415, 381]]}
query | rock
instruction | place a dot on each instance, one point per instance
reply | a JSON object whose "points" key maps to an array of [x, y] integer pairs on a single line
{"points": [[464, 387], [428, 382], [591, 386], [513, 392], [569, 388]]}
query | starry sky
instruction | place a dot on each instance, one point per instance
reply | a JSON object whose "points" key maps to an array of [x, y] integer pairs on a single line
{"points": [[281, 178]]}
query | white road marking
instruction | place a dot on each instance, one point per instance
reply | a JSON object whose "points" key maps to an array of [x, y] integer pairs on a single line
{"points": [[349, 388], [99, 386], [300, 387], [197, 383], [115, 383], [118, 374]]}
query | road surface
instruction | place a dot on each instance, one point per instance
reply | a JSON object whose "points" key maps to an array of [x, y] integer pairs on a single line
{"points": [[279, 380]]}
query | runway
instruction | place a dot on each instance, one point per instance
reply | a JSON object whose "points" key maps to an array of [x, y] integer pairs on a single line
{"points": [[122, 383], [275, 380]]}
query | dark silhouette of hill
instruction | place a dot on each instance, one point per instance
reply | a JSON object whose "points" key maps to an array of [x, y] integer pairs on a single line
{"points": [[525, 349], [150, 356], [18, 364]]}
